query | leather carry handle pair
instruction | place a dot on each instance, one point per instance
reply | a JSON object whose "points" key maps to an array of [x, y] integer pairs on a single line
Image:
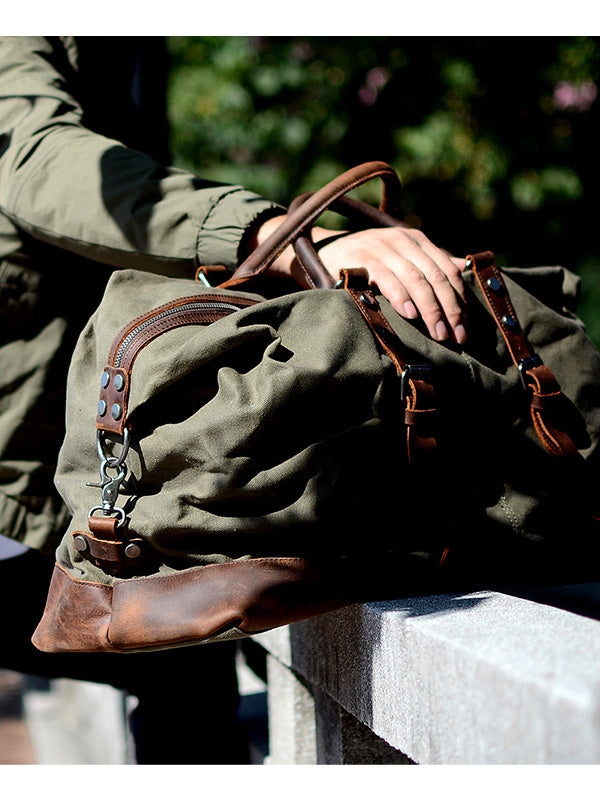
{"points": [[302, 216]]}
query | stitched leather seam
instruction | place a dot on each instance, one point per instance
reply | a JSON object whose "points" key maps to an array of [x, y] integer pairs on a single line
{"points": [[195, 298], [83, 582]]}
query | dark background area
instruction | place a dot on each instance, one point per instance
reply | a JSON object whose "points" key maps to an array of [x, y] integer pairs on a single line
{"points": [[494, 138]]}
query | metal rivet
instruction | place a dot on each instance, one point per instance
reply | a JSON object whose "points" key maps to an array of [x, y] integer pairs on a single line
{"points": [[512, 323], [119, 382], [133, 550], [105, 379], [468, 263], [101, 408], [494, 284], [80, 544], [116, 411], [368, 300]]}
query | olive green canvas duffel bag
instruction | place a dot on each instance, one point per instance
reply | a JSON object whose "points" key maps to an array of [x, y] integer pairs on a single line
{"points": [[263, 459]]}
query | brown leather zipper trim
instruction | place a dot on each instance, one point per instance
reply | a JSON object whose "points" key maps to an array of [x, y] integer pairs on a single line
{"points": [[116, 377]]}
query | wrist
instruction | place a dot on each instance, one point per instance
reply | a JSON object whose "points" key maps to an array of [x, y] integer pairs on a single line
{"points": [[285, 265]]}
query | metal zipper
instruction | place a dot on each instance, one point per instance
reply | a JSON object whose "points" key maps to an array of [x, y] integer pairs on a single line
{"points": [[184, 309]]}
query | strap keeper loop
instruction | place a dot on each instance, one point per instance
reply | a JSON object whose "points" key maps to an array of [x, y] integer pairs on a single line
{"points": [[415, 372], [525, 364]]}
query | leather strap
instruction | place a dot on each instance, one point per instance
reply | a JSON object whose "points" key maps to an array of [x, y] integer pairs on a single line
{"points": [[544, 391], [421, 416], [111, 553], [311, 209], [421, 413]]}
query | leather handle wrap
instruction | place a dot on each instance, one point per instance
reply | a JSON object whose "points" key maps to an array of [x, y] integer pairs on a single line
{"points": [[311, 209]]}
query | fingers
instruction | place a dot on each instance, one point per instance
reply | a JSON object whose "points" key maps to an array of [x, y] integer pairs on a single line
{"points": [[424, 292], [435, 282], [417, 277], [461, 263]]}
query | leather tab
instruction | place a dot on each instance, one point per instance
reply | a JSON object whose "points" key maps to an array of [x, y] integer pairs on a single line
{"points": [[106, 527], [356, 283], [425, 418], [491, 283], [112, 404], [108, 553]]}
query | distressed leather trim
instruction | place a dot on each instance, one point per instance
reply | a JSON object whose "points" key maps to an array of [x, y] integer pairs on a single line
{"points": [[76, 617], [115, 394], [186, 607], [252, 595]]}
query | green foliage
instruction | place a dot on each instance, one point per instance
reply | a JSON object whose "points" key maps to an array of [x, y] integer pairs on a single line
{"points": [[495, 138]]}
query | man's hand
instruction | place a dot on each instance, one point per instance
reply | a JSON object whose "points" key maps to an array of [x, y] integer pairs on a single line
{"points": [[416, 276]]}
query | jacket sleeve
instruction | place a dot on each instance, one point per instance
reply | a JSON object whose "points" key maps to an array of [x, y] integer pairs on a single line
{"points": [[70, 187]]}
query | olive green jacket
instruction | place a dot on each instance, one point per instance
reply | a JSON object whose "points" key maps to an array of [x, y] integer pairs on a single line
{"points": [[75, 204]]}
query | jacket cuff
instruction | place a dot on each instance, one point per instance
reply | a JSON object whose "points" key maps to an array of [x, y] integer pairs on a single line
{"points": [[222, 232]]}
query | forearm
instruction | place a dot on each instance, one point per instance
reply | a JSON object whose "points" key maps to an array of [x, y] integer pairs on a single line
{"points": [[68, 186]]}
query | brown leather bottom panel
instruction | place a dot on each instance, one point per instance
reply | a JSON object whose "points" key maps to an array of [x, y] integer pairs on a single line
{"points": [[182, 608], [76, 617]]}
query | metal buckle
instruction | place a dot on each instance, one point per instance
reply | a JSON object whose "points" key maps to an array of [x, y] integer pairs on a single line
{"points": [[411, 371], [526, 364]]}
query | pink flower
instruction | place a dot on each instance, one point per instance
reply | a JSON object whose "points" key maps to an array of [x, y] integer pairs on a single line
{"points": [[577, 98], [375, 80], [377, 77]]}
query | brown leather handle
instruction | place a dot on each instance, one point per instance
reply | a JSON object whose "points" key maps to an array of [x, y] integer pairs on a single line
{"points": [[311, 209], [316, 274]]}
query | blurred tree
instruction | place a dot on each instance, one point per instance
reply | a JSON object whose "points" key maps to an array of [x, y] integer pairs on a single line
{"points": [[495, 138]]}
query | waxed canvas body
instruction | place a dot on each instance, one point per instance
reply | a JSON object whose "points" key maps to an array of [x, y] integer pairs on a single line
{"points": [[278, 431]]}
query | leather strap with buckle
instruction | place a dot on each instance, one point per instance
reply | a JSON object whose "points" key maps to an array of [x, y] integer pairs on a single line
{"points": [[538, 380]]}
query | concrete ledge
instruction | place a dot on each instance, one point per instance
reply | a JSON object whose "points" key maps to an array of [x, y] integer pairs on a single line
{"points": [[483, 678]]}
